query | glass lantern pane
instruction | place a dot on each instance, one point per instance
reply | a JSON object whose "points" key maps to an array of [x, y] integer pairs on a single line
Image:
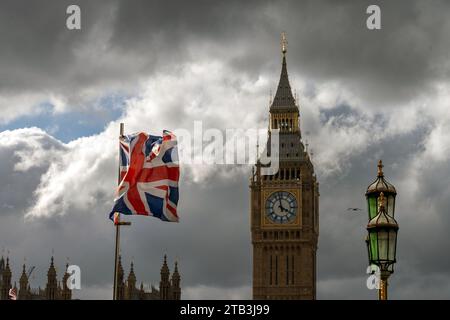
{"points": [[372, 202], [383, 243], [390, 205], [373, 247], [392, 243]]}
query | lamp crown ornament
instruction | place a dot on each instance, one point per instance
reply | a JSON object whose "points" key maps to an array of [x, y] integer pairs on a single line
{"points": [[374, 190], [380, 169], [382, 219], [381, 184]]}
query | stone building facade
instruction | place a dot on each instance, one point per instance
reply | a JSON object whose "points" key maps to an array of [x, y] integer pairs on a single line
{"points": [[169, 285], [54, 289]]}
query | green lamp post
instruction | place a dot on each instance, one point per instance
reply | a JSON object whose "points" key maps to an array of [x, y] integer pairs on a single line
{"points": [[374, 190], [382, 244]]}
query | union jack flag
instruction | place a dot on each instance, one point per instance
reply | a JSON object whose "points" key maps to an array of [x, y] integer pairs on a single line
{"points": [[149, 174]]}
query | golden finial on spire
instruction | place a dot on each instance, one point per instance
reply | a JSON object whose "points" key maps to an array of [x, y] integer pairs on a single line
{"points": [[380, 168], [284, 42]]}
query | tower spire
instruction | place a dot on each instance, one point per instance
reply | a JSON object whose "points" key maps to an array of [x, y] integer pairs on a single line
{"points": [[176, 289], [52, 283], [283, 97], [5, 280], [120, 282], [23, 285], [164, 284], [66, 293], [131, 275]]}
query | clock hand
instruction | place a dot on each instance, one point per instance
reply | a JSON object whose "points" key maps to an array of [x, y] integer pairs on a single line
{"points": [[281, 202], [283, 209]]}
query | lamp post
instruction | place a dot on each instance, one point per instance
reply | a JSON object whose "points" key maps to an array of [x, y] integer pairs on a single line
{"points": [[382, 244], [382, 228]]}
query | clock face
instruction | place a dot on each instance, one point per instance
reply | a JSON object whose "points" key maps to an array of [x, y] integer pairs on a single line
{"points": [[281, 207]]}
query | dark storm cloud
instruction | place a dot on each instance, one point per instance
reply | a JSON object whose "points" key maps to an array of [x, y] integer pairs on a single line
{"points": [[327, 41], [36, 46]]}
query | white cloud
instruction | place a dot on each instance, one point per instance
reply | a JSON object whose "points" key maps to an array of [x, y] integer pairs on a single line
{"points": [[82, 172], [80, 177], [14, 106]]}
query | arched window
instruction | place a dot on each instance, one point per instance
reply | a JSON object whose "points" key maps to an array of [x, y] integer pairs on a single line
{"points": [[292, 269], [276, 270], [287, 270], [270, 270]]}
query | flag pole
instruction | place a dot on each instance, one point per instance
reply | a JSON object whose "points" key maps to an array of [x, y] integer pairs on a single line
{"points": [[118, 224], [117, 251]]}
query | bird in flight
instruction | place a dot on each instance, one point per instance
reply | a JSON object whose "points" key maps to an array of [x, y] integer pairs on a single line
{"points": [[354, 209]]}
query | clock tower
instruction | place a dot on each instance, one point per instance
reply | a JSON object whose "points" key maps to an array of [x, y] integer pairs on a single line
{"points": [[284, 207]]}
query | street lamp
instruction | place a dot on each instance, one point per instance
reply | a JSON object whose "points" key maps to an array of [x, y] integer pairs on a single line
{"points": [[374, 190], [382, 244]]}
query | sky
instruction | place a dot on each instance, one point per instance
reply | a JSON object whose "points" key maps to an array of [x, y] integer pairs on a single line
{"points": [[364, 95]]}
